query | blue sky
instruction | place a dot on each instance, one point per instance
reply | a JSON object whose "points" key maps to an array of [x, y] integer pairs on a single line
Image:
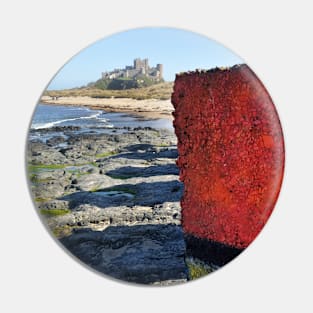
{"points": [[178, 51]]}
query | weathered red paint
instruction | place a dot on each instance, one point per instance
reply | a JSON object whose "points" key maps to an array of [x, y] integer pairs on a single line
{"points": [[231, 153]]}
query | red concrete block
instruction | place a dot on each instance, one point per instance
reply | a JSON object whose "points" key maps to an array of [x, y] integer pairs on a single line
{"points": [[231, 154]]}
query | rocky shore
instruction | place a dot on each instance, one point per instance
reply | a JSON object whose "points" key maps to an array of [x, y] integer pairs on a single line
{"points": [[113, 199]]}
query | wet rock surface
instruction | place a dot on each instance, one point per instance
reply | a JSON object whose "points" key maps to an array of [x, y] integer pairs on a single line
{"points": [[113, 200]]}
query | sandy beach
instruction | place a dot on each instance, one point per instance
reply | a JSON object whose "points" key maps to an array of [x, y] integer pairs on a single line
{"points": [[148, 109]]}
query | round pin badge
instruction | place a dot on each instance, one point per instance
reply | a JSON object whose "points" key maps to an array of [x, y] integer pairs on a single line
{"points": [[155, 156]]}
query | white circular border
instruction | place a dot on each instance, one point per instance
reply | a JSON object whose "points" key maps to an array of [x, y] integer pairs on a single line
{"points": [[272, 273]]}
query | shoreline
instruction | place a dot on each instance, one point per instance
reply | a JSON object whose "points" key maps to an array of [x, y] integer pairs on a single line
{"points": [[149, 109], [115, 192]]}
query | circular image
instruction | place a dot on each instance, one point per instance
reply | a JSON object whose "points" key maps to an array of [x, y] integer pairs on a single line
{"points": [[155, 156]]}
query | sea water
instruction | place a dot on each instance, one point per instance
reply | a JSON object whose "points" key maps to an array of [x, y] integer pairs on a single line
{"points": [[89, 120], [47, 116]]}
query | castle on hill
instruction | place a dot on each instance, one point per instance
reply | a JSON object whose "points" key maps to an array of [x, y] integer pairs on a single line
{"points": [[139, 68]]}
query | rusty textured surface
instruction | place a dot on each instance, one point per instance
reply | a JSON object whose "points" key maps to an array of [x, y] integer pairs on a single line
{"points": [[231, 154]]}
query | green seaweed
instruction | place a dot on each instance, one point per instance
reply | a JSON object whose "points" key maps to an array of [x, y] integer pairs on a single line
{"points": [[197, 269], [38, 167], [106, 154], [40, 199], [62, 231], [33, 178], [54, 212]]}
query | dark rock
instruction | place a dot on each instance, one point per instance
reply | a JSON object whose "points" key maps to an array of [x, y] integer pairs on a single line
{"points": [[133, 214], [60, 129], [140, 254], [54, 141]]}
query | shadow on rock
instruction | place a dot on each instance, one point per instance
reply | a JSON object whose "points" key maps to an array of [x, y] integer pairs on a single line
{"points": [[155, 170], [140, 254], [140, 146], [143, 194], [148, 155]]}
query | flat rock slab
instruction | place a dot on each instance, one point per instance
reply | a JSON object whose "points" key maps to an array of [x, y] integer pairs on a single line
{"points": [[86, 215], [155, 170], [146, 193], [144, 254], [93, 181]]}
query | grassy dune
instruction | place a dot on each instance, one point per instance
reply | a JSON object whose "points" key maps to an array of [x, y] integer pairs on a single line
{"points": [[160, 91]]}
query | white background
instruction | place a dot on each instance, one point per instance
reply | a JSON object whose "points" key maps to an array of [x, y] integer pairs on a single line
{"points": [[275, 38]]}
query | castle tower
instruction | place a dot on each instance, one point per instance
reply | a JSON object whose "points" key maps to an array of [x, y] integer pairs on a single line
{"points": [[160, 69], [137, 64], [146, 65]]}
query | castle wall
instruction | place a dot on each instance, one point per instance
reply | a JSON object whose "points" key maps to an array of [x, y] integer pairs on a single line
{"points": [[140, 67]]}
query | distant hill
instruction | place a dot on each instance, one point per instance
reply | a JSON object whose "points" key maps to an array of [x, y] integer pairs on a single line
{"points": [[123, 83], [160, 91]]}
